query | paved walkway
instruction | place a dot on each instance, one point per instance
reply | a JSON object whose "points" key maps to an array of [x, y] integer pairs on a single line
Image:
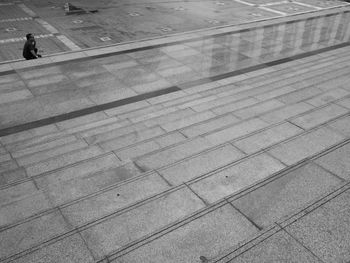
{"points": [[124, 21], [228, 145]]}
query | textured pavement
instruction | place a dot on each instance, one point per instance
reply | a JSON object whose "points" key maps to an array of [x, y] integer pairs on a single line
{"points": [[228, 145], [124, 21]]}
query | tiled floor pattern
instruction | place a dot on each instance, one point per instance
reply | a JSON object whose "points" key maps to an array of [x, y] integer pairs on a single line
{"points": [[185, 176], [117, 22], [32, 94], [16, 20]]}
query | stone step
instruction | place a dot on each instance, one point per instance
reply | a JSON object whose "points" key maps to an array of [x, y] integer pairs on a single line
{"points": [[179, 216]]}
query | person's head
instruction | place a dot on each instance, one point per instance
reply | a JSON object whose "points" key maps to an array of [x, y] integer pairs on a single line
{"points": [[30, 36]]}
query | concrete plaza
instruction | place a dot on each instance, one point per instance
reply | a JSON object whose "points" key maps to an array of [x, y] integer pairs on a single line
{"points": [[223, 144]]}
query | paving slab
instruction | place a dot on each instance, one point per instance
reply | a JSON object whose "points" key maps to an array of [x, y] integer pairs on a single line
{"points": [[325, 231], [62, 192], [231, 107], [187, 121], [328, 97], [116, 232], [104, 203], [44, 146], [280, 247], [201, 164], [78, 170], [258, 109], [31, 233], [63, 160], [305, 145], [12, 176], [337, 161], [210, 125], [319, 116], [341, 125], [173, 154], [68, 250], [19, 210], [206, 236], [56, 152], [279, 198], [267, 138], [131, 138], [17, 192], [300, 95], [345, 103], [236, 177], [16, 137], [236, 131]]}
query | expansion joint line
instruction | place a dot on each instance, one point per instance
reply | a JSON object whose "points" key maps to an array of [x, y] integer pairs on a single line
{"points": [[299, 242]]}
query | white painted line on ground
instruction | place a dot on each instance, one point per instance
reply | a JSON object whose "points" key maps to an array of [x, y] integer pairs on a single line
{"points": [[47, 26], [6, 4], [20, 39], [275, 3], [69, 43], [15, 19], [272, 10], [27, 10], [66, 41], [245, 3], [307, 5]]}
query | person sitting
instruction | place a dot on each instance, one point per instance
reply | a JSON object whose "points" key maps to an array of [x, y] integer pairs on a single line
{"points": [[29, 49]]}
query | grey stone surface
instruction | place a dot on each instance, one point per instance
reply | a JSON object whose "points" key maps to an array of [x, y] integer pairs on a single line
{"points": [[278, 248], [68, 250], [201, 164], [210, 125], [12, 176], [19, 210], [7, 166], [104, 203], [78, 170], [305, 145], [170, 139], [300, 95], [326, 230], [81, 120], [187, 121], [267, 138], [258, 109], [236, 177], [286, 112], [342, 125], [31, 233], [345, 103], [43, 146], [17, 192], [63, 160], [137, 150], [118, 231], [282, 196], [60, 193], [206, 236], [328, 97], [236, 131], [231, 107], [55, 152], [131, 138], [171, 155], [319, 116], [110, 132], [337, 161]]}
